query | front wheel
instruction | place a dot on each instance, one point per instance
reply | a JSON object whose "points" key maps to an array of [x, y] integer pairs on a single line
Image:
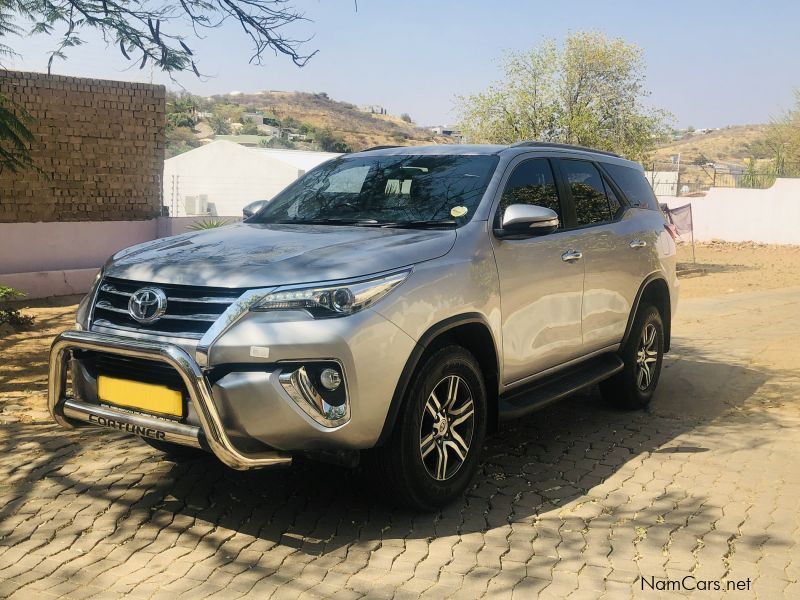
{"points": [[432, 454], [633, 387]]}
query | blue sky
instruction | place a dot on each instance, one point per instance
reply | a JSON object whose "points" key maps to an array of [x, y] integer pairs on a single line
{"points": [[710, 63]]}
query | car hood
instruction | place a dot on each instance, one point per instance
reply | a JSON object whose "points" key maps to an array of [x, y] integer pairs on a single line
{"points": [[264, 255]]}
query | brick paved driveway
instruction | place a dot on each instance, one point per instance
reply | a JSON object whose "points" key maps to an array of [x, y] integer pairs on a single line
{"points": [[577, 501]]}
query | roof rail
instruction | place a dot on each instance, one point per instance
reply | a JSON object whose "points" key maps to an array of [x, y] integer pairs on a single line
{"points": [[380, 148], [535, 144]]}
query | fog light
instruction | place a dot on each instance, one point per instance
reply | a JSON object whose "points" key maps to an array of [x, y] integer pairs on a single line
{"points": [[330, 379], [320, 389]]}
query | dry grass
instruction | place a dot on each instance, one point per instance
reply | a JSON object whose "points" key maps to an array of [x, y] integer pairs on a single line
{"points": [[730, 145], [359, 129]]}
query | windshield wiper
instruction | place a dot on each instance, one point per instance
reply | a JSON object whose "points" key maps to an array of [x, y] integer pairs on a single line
{"points": [[328, 221], [422, 224]]}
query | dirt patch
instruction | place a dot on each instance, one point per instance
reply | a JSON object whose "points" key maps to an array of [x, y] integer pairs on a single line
{"points": [[730, 267], [24, 360]]}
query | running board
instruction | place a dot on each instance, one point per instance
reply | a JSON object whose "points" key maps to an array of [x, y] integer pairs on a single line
{"points": [[532, 397]]}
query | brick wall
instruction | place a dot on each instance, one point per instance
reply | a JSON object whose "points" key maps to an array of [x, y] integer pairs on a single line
{"points": [[100, 146]]}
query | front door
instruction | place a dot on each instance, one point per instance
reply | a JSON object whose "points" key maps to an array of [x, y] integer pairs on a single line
{"points": [[541, 281]]}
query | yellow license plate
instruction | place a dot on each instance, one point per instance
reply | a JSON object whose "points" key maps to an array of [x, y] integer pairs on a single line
{"points": [[146, 397]]}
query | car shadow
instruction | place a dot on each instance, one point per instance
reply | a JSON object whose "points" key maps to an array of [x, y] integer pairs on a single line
{"points": [[530, 470]]}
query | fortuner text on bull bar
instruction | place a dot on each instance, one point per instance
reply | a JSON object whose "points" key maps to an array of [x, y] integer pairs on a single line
{"points": [[66, 411]]}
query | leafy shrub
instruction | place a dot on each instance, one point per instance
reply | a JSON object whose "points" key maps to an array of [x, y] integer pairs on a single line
{"points": [[12, 316], [202, 224]]}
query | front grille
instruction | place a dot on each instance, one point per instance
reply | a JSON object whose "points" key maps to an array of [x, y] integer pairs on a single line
{"points": [[136, 369], [191, 310]]}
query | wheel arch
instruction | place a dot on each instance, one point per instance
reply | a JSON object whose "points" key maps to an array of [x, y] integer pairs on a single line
{"points": [[654, 290], [472, 332]]}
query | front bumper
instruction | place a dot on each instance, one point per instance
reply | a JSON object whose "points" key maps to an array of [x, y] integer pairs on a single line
{"points": [[69, 412]]}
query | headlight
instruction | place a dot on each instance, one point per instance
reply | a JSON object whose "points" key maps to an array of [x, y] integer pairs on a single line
{"points": [[85, 305], [332, 300]]}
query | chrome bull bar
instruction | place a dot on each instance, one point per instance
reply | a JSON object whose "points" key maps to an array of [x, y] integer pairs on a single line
{"points": [[67, 411]]}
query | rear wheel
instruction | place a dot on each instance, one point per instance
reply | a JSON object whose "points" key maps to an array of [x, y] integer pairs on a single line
{"points": [[633, 387], [432, 454]]}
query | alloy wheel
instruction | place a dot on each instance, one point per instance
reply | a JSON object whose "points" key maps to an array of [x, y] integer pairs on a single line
{"points": [[447, 426], [646, 357]]}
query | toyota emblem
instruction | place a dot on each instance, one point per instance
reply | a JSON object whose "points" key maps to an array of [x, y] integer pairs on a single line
{"points": [[147, 304]]}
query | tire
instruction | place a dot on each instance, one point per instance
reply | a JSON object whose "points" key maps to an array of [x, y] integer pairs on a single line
{"points": [[175, 452], [633, 387], [410, 469]]}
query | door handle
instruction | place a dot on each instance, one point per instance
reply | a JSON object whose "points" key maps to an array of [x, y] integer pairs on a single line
{"points": [[571, 255], [637, 243]]}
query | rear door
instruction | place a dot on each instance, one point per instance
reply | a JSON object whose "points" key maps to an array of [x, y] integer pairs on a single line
{"points": [[604, 231], [540, 291]]}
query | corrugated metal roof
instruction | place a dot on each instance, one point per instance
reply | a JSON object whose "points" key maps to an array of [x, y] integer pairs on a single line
{"points": [[302, 159]]}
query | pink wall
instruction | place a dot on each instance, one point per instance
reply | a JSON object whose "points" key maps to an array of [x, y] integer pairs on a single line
{"points": [[53, 259], [28, 247]]}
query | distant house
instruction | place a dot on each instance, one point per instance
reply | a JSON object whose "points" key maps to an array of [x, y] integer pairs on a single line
{"points": [[374, 109], [265, 124], [222, 177], [446, 131]]}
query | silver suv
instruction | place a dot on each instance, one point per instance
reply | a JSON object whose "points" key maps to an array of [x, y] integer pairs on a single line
{"points": [[388, 308]]}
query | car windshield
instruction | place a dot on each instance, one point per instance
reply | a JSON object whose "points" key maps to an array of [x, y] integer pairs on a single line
{"points": [[406, 190]]}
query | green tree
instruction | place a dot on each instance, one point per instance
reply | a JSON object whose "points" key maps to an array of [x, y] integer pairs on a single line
{"points": [[222, 115], [588, 91], [755, 176], [249, 127], [15, 137], [782, 143], [328, 141], [159, 33], [182, 110], [219, 124], [406, 117], [180, 140], [277, 142]]}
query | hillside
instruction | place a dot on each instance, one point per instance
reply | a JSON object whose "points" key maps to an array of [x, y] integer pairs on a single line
{"points": [[358, 129], [734, 144]]}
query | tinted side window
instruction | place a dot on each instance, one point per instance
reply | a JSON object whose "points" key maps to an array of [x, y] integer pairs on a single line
{"points": [[613, 201], [588, 192], [633, 185], [531, 182]]}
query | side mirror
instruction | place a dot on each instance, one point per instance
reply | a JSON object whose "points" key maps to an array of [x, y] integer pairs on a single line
{"points": [[252, 208], [525, 220]]}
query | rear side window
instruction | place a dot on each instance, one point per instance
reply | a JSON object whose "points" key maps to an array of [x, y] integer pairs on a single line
{"points": [[531, 182], [588, 192], [633, 184]]}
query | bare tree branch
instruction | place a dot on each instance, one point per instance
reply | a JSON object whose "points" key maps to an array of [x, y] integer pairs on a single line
{"points": [[154, 31]]}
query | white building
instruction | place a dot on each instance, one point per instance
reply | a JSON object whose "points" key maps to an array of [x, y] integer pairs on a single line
{"points": [[221, 178], [664, 183]]}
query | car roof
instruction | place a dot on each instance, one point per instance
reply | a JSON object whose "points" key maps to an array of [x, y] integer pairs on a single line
{"points": [[496, 149]]}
